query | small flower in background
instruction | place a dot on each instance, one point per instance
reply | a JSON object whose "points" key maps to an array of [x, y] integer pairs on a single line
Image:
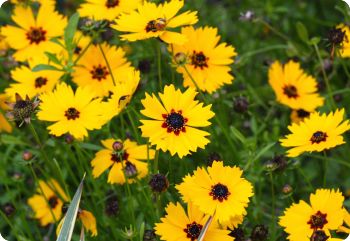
{"points": [[174, 120], [32, 36], [88, 220], [124, 161], [324, 213], [153, 21], [224, 194], [73, 113], [48, 202], [4, 124], [93, 70], [317, 133], [208, 62], [107, 9], [188, 226], [299, 115], [339, 38], [293, 87], [21, 111]]}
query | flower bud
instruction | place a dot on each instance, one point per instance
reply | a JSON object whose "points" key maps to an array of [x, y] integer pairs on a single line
{"points": [[159, 183]]}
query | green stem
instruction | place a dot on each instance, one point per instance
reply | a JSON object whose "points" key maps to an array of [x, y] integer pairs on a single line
{"points": [[156, 162], [83, 52], [107, 63], [275, 31], [159, 65], [324, 169], [329, 90], [136, 133], [273, 206]]}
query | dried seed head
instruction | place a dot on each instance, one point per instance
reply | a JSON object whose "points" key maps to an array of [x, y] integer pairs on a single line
{"points": [[240, 104], [149, 235], [159, 183], [112, 205], [278, 163], [259, 233], [238, 234], [22, 109], [9, 209], [213, 157]]}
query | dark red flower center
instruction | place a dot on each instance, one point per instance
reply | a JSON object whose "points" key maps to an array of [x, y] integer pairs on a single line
{"points": [[77, 50], [318, 137], [156, 25], [40, 81], [193, 230], [174, 122], [36, 35], [119, 157], [53, 201], [99, 72], [199, 60], [112, 3], [72, 113], [318, 220], [303, 113], [290, 91], [219, 192]]}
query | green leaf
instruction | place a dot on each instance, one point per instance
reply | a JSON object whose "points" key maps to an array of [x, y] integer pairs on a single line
{"points": [[41, 67], [71, 215], [53, 57], [70, 31], [238, 134], [302, 32]]}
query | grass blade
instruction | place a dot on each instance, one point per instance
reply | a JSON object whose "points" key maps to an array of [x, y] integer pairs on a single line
{"points": [[205, 229]]}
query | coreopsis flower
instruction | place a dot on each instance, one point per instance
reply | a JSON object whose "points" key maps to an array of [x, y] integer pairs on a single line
{"points": [[4, 124], [73, 113], [324, 213], [107, 9], [219, 191], [207, 61], [174, 121], [155, 21], [93, 70], [121, 94], [124, 158], [47, 203], [316, 133], [293, 87], [32, 35], [81, 43], [88, 220], [22, 109], [188, 226], [339, 37], [31, 84], [299, 115]]}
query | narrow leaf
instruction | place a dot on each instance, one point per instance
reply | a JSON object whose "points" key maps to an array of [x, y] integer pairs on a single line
{"points": [[70, 30], [82, 234], [41, 67], [238, 134], [71, 215], [205, 229], [302, 32], [53, 57]]}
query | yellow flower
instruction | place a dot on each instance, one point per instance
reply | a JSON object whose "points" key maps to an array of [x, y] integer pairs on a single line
{"points": [[73, 113], [179, 226], [30, 83], [47, 203], [153, 21], [124, 160], [93, 71], [174, 120], [345, 45], [206, 60], [293, 87], [4, 124], [324, 213], [81, 42], [121, 94], [106, 9], [88, 220], [32, 36], [317, 133], [220, 191]]}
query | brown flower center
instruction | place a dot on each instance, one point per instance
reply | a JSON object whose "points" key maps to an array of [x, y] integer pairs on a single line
{"points": [[290, 91], [53, 201], [99, 72], [318, 220], [303, 113], [40, 81], [193, 230], [219, 192], [72, 113], [199, 60], [174, 122], [119, 157], [318, 137], [112, 3], [36, 35], [156, 25]]}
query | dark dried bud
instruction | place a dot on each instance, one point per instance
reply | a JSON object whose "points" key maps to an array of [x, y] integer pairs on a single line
{"points": [[319, 235], [27, 155], [259, 233], [112, 206], [213, 157], [69, 138], [240, 104], [130, 170], [118, 146], [238, 234], [65, 208], [338, 97], [159, 183], [144, 66], [9, 209], [149, 235], [22, 109], [287, 189], [336, 36], [180, 58], [278, 163]]}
